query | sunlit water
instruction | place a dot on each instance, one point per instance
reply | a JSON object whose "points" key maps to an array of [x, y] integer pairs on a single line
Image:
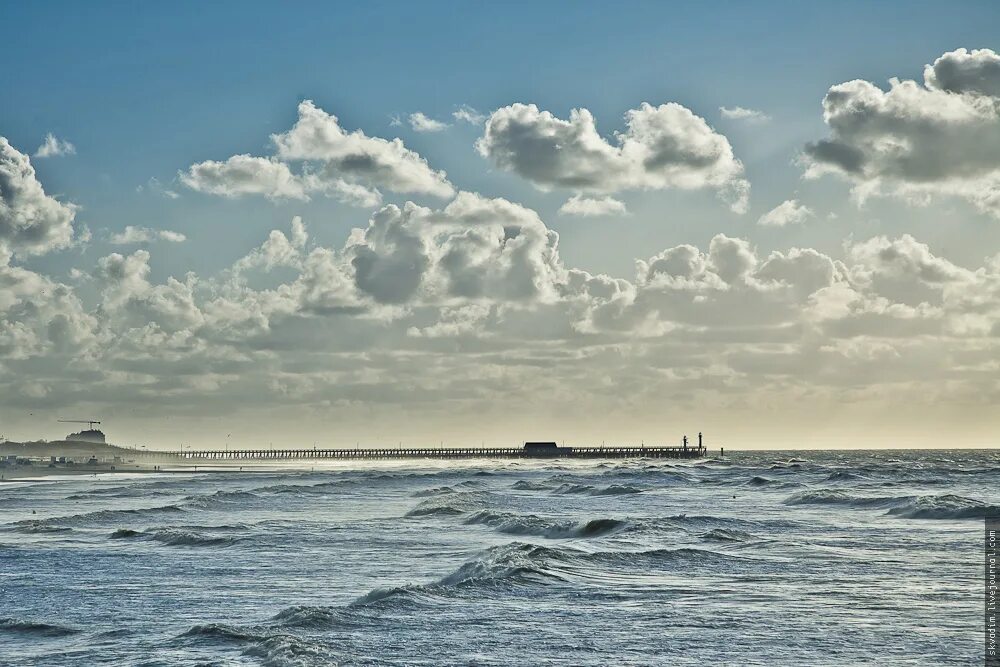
{"points": [[820, 558]]}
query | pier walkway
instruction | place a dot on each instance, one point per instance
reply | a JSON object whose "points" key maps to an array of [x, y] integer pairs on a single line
{"points": [[602, 452]]}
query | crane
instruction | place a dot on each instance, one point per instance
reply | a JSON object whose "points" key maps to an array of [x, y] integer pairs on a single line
{"points": [[80, 421]]}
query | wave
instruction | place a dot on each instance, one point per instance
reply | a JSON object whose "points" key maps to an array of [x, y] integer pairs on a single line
{"points": [[911, 507], [175, 537], [307, 616], [510, 566], [520, 567], [761, 482], [944, 507], [727, 535], [838, 497], [316, 488], [451, 504], [274, 647], [513, 524], [35, 628], [39, 526], [436, 491], [62, 523], [223, 631], [118, 492], [616, 490], [708, 522], [660, 474], [587, 489], [566, 489], [223, 498], [525, 485], [843, 476]]}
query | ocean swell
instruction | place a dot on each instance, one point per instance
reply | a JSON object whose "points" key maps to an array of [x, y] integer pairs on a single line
{"points": [[35, 628], [514, 524]]}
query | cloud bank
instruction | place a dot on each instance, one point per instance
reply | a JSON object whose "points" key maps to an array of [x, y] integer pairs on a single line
{"points": [[460, 310]]}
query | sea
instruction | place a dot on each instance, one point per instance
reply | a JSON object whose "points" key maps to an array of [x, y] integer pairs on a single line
{"points": [[765, 558]]}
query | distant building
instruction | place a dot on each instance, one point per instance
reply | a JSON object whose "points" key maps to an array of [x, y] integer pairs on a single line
{"points": [[88, 435], [542, 449]]}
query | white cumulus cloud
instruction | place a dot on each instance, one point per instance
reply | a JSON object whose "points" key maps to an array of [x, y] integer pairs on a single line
{"points": [[593, 206], [245, 175], [317, 156], [744, 114], [789, 212], [420, 122], [918, 140], [357, 158], [133, 235], [662, 147], [31, 222]]}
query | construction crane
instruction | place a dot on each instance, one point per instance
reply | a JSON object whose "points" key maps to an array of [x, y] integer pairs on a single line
{"points": [[80, 421]]}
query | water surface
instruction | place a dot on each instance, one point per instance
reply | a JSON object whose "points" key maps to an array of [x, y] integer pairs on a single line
{"points": [[809, 558]]}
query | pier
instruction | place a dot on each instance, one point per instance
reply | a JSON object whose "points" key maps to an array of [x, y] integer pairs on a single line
{"points": [[530, 450]]}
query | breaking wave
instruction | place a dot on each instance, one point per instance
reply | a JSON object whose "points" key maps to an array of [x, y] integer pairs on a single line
{"points": [[837, 497], [450, 504], [944, 507], [276, 648], [517, 566], [911, 507]]}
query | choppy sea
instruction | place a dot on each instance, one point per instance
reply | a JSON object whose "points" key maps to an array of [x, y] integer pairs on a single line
{"points": [[768, 558]]}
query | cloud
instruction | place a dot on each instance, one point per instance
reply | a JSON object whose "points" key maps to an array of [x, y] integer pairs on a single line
{"points": [[663, 147], [154, 186], [789, 212], [918, 141], [467, 114], [347, 166], [475, 248], [961, 71], [593, 206], [357, 158], [54, 147], [244, 175], [131, 301], [31, 222], [421, 123], [744, 114], [134, 235]]}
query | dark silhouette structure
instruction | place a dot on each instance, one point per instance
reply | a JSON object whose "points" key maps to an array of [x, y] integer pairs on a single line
{"points": [[529, 450]]}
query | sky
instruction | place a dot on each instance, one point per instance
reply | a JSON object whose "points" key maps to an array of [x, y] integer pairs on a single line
{"points": [[261, 224]]}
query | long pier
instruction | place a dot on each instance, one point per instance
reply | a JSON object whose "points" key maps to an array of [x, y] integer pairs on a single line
{"points": [[602, 452]]}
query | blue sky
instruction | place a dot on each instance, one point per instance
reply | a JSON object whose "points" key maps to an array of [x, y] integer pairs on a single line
{"points": [[145, 92]]}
